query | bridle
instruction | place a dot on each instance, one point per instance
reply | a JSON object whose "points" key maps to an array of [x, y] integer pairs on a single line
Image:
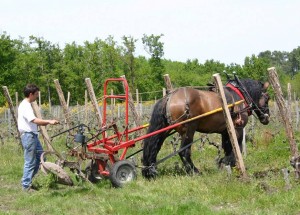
{"points": [[239, 88], [263, 109]]}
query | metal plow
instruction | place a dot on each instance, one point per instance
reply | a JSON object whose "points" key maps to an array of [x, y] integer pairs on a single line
{"points": [[57, 168]]}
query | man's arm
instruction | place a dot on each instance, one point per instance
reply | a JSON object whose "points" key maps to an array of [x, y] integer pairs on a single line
{"points": [[44, 122]]}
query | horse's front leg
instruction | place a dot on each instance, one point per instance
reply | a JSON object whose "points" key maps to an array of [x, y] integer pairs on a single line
{"points": [[150, 151], [229, 158], [185, 155]]}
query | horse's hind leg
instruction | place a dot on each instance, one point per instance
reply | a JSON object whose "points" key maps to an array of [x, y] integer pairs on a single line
{"points": [[185, 155]]}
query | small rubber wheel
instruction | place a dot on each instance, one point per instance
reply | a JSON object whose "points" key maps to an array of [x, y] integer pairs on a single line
{"points": [[92, 173], [122, 172]]}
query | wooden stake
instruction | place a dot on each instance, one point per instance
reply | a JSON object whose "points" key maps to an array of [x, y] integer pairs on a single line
{"points": [[40, 101], [94, 101], [230, 128], [289, 103], [137, 102], [168, 83], [112, 107], [85, 107], [136, 117], [12, 110], [274, 80], [68, 99], [44, 132], [164, 92], [63, 103]]}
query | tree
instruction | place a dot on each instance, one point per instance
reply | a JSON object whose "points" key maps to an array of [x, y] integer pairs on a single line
{"points": [[278, 59], [45, 59], [8, 54], [129, 60], [295, 62], [155, 48], [255, 68], [234, 68], [71, 75]]}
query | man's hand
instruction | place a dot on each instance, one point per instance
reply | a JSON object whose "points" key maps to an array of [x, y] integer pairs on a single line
{"points": [[53, 122], [44, 122]]}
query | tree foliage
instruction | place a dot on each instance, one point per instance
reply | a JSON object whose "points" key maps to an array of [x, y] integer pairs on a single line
{"points": [[155, 48], [39, 61], [129, 60]]}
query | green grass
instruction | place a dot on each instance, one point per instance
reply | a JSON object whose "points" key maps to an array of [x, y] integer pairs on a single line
{"points": [[173, 192]]}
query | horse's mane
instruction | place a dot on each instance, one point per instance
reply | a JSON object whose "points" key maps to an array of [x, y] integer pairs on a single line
{"points": [[253, 87], [158, 111]]}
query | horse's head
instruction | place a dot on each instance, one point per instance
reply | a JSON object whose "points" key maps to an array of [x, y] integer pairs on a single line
{"points": [[262, 109]]}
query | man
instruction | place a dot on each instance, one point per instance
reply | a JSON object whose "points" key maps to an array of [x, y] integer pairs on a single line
{"points": [[28, 127]]}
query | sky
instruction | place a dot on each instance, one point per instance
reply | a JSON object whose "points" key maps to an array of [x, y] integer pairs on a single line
{"points": [[223, 30]]}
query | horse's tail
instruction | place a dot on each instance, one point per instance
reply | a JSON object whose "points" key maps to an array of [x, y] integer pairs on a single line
{"points": [[153, 143]]}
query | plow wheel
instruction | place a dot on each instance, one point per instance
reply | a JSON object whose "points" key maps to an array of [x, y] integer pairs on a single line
{"points": [[122, 172], [92, 173]]}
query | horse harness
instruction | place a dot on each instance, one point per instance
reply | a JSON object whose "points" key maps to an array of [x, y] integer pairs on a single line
{"points": [[234, 86], [187, 107]]}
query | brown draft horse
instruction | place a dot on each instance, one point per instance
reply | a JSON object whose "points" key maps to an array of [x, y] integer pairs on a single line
{"points": [[187, 102]]}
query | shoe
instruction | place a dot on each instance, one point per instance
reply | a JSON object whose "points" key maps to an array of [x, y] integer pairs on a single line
{"points": [[29, 190], [34, 187]]}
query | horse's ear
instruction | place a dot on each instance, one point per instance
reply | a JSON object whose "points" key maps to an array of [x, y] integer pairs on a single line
{"points": [[266, 86]]}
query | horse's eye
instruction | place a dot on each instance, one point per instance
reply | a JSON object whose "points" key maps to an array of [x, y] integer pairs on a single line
{"points": [[266, 96]]}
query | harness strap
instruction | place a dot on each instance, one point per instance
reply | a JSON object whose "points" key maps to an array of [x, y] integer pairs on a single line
{"points": [[168, 112], [187, 102], [237, 91]]}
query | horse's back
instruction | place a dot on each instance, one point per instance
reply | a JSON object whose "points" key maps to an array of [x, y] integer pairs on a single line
{"points": [[189, 102]]}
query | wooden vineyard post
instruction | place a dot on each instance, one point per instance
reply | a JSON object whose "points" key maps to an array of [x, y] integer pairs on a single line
{"points": [[85, 108], [68, 99], [164, 92], [94, 101], [244, 143], [44, 132], [289, 103], [49, 101], [40, 99], [138, 103], [230, 128], [168, 83], [63, 103], [12, 110], [112, 105], [136, 117], [274, 80]]}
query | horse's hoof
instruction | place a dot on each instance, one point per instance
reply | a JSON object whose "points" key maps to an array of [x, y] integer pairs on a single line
{"points": [[196, 172], [226, 161], [149, 173], [192, 171]]}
